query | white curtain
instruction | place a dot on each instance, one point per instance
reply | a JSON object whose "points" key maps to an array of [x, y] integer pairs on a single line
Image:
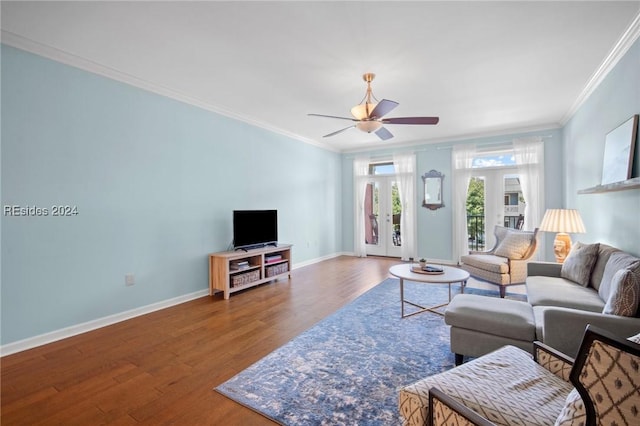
{"points": [[360, 175], [462, 161], [529, 157], [405, 166], [493, 203]]}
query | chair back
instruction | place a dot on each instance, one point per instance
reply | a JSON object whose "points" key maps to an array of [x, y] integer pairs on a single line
{"points": [[501, 232], [606, 373]]}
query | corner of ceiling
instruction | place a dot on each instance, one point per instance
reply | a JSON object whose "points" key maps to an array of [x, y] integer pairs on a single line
{"points": [[58, 55], [619, 50]]}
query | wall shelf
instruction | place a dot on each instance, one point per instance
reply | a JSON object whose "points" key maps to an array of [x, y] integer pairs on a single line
{"points": [[632, 183]]}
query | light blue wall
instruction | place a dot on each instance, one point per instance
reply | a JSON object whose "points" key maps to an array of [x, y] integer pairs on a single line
{"points": [[613, 217], [154, 181], [434, 227]]}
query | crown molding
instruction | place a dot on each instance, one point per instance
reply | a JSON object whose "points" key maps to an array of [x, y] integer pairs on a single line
{"points": [[58, 55], [619, 50], [457, 138]]}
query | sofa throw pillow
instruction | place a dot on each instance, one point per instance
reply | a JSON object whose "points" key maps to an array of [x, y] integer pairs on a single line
{"points": [[573, 412], [625, 294], [515, 245], [579, 263], [617, 261]]}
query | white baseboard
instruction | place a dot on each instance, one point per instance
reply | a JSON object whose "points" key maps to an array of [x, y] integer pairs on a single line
{"points": [[53, 336], [316, 260], [63, 333], [447, 262]]}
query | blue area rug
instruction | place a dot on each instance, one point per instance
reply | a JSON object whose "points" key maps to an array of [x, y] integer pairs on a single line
{"points": [[346, 370]]}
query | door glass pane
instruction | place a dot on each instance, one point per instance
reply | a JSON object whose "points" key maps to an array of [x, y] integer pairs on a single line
{"points": [[513, 202], [381, 169], [475, 214], [371, 213], [396, 209]]}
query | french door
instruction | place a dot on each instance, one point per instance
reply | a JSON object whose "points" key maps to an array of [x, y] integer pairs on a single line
{"points": [[382, 210], [494, 198]]}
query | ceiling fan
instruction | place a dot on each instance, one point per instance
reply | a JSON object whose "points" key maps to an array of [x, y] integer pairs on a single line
{"points": [[369, 112]]}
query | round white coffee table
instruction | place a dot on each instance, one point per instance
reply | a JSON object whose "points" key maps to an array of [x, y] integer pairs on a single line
{"points": [[449, 276]]}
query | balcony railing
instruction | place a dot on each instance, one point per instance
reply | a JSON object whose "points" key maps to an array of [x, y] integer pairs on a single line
{"points": [[475, 227], [510, 210]]}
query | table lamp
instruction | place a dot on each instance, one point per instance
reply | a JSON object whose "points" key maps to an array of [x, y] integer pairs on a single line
{"points": [[564, 222]]}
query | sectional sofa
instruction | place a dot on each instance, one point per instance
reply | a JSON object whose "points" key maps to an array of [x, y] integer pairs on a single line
{"points": [[597, 284]]}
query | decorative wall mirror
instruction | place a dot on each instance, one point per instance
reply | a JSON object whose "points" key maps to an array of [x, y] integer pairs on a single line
{"points": [[432, 190]]}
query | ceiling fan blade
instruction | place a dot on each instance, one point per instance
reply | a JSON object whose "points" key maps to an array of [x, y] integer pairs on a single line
{"points": [[384, 134], [338, 131], [383, 108], [411, 120], [333, 116]]}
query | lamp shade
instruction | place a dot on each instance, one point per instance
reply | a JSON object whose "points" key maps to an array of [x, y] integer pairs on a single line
{"points": [[562, 220]]}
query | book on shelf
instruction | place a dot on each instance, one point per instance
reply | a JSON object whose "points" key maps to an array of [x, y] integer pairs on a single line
{"points": [[236, 266], [270, 258]]}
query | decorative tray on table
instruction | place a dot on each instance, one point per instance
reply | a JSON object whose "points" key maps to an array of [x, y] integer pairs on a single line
{"points": [[429, 269]]}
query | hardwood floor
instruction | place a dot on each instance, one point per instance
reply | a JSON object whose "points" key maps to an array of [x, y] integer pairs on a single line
{"points": [[161, 368]]}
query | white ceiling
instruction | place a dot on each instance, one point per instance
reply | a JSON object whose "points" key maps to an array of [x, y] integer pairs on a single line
{"points": [[482, 67]]}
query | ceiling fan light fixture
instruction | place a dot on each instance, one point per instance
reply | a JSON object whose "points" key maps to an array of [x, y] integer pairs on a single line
{"points": [[369, 112], [369, 126], [362, 111]]}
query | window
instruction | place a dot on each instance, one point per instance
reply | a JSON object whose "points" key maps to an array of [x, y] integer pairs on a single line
{"points": [[494, 197], [484, 161], [524, 159], [382, 168]]}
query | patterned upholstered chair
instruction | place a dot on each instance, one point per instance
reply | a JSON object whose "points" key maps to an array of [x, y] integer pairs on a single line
{"points": [[506, 263], [507, 387]]}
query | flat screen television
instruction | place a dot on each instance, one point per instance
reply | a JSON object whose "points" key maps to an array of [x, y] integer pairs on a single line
{"points": [[254, 228]]}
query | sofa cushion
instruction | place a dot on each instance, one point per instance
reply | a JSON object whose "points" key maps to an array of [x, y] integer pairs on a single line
{"points": [[515, 245], [551, 291], [617, 261], [487, 262], [578, 265], [504, 386], [500, 317], [604, 252], [624, 295]]}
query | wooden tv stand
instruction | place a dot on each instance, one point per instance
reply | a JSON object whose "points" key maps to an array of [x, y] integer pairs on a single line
{"points": [[258, 269]]}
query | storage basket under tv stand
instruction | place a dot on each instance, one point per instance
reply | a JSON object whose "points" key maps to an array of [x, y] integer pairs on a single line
{"points": [[223, 278]]}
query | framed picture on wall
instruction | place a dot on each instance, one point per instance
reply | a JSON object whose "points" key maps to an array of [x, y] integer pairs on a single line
{"points": [[618, 152]]}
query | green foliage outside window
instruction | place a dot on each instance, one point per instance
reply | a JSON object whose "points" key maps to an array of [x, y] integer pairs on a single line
{"points": [[396, 207], [475, 202], [395, 197]]}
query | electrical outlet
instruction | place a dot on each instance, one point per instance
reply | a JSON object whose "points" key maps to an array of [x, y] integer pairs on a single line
{"points": [[129, 279]]}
